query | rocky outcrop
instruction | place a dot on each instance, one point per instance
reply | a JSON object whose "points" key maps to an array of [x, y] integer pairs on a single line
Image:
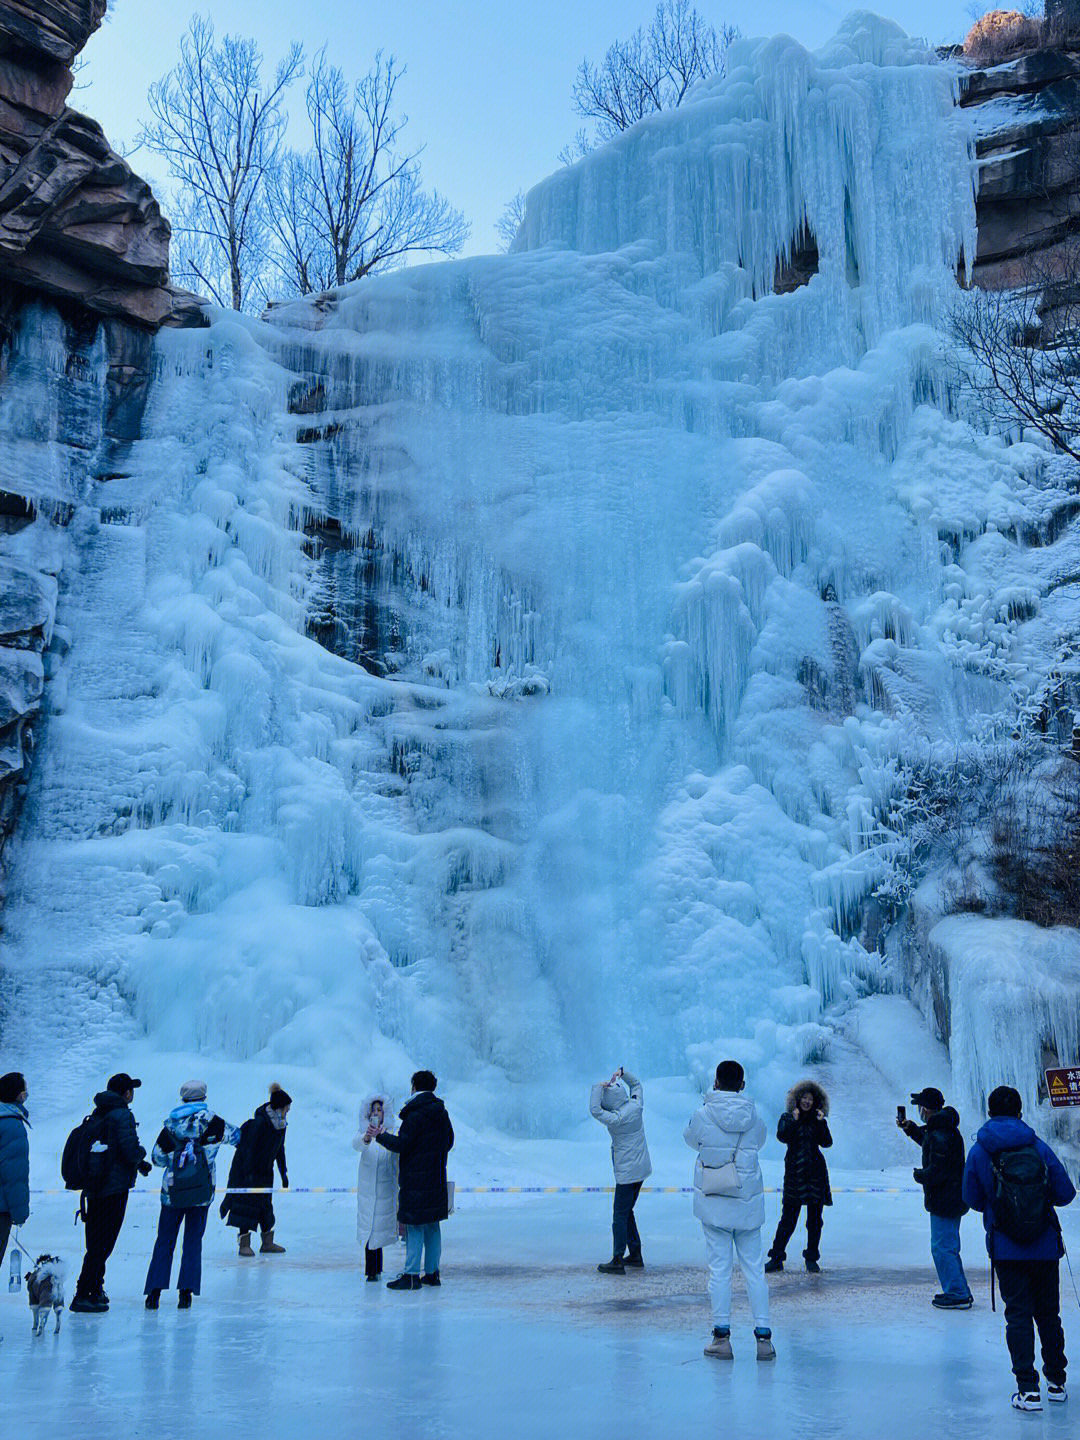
{"points": [[1027, 120]]}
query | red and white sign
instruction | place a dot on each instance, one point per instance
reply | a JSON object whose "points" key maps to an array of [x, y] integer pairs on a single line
{"points": [[1063, 1086]]}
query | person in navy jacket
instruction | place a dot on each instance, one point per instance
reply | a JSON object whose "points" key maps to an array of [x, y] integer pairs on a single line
{"points": [[1027, 1275]]}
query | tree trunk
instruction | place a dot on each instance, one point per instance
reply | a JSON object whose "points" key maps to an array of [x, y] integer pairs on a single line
{"points": [[1063, 20]]}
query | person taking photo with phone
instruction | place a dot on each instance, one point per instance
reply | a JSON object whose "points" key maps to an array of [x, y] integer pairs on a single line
{"points": [[941, 1176], [618, 1104]]}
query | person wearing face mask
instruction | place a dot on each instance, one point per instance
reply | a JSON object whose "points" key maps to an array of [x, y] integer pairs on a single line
{"points": [[260, 1148], [376, 1185], [14, 1155]]}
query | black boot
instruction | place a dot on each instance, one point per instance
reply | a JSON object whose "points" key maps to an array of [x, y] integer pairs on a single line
{"points": [[634, 1262], [613, 1266], [89, 1304], [774, 1264], [432, 1279], [153, 1298], [184, 1303], [404, 1282]]}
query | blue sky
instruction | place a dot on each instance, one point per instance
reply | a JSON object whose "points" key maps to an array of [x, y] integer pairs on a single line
{"points": [[488, 96]]}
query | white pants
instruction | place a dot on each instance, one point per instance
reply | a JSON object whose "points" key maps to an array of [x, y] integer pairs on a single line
{"points": [[748, 1246]]}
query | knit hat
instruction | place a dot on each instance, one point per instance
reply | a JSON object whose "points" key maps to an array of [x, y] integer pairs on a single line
{"points": [[193, 1090], [279, 1098]]}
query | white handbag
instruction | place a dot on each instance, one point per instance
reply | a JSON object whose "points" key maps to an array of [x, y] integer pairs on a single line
{"points": [[721, 1179]]}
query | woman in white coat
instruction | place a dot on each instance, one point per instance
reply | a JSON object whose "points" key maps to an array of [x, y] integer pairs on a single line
{"points": [[731, 1206], [376, 1186]]}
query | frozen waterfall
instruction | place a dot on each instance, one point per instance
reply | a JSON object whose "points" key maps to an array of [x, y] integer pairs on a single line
{"points": [[501, 665]]}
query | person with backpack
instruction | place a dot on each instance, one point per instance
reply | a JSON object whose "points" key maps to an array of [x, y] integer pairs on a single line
{"points": [[260, 1148], [1015, 1180], [729, 1200], [618, 1104], [14, 1155], [804, 1130], [101, 1159], [186, 1149], [425, 1138], [941, 1176]]}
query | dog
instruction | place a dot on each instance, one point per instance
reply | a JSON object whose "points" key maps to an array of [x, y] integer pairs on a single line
{"points": [[45, 1291]]}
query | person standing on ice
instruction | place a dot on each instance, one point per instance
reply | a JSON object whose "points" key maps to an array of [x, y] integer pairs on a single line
{"points": [[621, 1112], [14, 1155], [729, 1200], [105, 1208], [804, 1130], [424, 1140], [376, 1186], [261, 1146], [941, 1175], [186, 1148], [1015, 1180]]}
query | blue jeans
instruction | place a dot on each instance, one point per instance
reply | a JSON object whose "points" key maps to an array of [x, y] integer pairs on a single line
{"points": [[945, 1249], [193, 1219], [423, 1240]]}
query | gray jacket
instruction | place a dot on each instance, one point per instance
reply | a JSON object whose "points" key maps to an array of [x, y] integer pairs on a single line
{"points": [[621, 1113]]}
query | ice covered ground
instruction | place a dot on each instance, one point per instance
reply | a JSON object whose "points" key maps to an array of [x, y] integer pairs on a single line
{"points": [[524, 1339]]}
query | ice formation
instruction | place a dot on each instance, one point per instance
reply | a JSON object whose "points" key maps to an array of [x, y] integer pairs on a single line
{"points": [[542, 704]]}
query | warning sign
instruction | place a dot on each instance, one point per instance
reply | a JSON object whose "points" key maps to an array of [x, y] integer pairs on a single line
{"points": [[1063, 1086]]}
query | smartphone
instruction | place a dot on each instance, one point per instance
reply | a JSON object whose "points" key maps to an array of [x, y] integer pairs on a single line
{"points": [[901, 1112]]}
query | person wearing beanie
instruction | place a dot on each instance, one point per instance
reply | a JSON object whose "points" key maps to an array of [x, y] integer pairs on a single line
{"points": [[260, 1148], [729, 1200], [14, 1155], [103, 1210], [186, 1149], [1016, 1181], [618, 1104], [941, 1175]]}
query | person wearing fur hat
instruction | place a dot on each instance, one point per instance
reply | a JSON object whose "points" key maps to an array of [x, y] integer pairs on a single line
{"points": [[618, 1103], [804, 1130], [261, 1146], [376, 1185], [186, 1149]]}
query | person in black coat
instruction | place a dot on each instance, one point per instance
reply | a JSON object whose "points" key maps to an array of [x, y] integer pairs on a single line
{"points": [[941, 1176], [424, 1139], [104, 1210], [260, 1148], [804, 1129]]}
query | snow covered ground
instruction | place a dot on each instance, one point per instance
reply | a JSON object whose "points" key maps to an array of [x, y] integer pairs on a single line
{"points": [[524, 1339]]}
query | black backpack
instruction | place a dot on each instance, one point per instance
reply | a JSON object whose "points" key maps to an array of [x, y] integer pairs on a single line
{"points": [[1022, 1208], [84, 1164], [189, 1176]]}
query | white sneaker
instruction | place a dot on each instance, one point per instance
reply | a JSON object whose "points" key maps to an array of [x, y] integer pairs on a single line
{"points": [[1057, 1394], [1027, 1400]]}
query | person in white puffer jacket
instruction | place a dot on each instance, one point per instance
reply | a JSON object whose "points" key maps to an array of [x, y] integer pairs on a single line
{"points": [[622, 1114], [727, 1129], [376, 1185]]}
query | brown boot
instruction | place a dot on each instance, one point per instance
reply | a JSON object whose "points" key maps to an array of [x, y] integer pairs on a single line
{"points": [[268, 1247], [245, 1244]]}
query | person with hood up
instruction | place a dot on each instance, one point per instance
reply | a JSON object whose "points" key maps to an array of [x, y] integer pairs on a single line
{"points": [[261, 1146], [804, 1129], [1015, 1180], [186, 1148], [376, 1185], [621, 1112], [941, 1177], [729, 1200], [104, 1210], [14, 1155], [424, 1140]]}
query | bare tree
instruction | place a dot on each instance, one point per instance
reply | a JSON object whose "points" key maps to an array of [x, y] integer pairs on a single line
{"points": [[509, 222], [219, 129], [354, 202], [652, 70]]}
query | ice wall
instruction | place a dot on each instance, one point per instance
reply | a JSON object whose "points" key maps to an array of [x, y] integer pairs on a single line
{"points": [[502, 664]]}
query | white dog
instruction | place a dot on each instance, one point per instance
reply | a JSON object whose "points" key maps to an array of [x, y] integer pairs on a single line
{"points": [[45, 1291]]}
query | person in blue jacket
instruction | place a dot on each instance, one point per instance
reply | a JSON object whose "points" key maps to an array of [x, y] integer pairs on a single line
{"points": [[1027, 1274], [14, 1156]]}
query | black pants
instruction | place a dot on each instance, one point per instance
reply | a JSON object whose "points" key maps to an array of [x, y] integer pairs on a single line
{"points": [[5, 1231], [1030, 1291], [372, 1262], [624, 1231], [789, 1218], [104, 1218]]}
